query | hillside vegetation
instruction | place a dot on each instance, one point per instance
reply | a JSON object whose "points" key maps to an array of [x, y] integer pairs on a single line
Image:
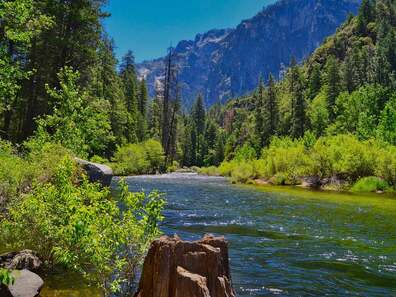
{"points": [[332, 116]]}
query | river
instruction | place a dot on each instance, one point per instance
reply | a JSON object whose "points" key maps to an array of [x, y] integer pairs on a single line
{"points": [[285, 241]]}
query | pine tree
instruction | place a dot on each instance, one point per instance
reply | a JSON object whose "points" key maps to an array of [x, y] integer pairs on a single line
{"points": [[109, 86], [298, 106], [155, 119], [143, 97], [272, 106], [365, 16], [333, 85], [72, 40], [259, 115], [315, 82], [129, 81], [198, 115]]}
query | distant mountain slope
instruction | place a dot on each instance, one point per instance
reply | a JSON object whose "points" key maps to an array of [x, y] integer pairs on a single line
{"points": [[221, 64]]}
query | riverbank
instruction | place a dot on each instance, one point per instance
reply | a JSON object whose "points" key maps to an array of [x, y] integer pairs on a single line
{"points": [[341, 163], [368, 185]]}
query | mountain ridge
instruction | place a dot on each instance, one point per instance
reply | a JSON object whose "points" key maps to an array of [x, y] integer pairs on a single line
{"points": [[224, 63]]}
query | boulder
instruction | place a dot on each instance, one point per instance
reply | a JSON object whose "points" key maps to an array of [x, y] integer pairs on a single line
{"points": [[26, 259], [27, 284], [176, 268], [97, 172]]}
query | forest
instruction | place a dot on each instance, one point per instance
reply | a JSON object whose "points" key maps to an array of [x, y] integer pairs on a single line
{"points": [[64, 94], [62, 83]]}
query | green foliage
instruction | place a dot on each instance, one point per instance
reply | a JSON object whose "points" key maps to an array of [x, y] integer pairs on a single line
{"points": [[370, 184], [74, 223], [287, 161], [172, 168], [318, 114], [18, 174], [359, 111], [245, 153], [210, 171], [154, 154], [344, 156], [242, 173], [387, 123], [78, 125], [288, 158], [6, 278], [142, 158], [386, 164]]}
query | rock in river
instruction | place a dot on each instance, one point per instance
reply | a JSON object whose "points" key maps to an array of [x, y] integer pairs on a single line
{"points": [[27, 284], [176, 268], [97, 172]]}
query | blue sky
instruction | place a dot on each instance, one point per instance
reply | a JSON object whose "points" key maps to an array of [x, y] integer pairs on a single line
{"points": [[148, 27]]}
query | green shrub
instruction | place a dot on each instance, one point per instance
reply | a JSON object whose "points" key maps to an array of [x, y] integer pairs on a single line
{"points": [[130, 159], [370, 184], [279, 179], [6, 278], [172, 168], [226, 168], [99, 160], [142, 158], [344, 156], [242, 173], [386, 164], [18, 173], [210, 171], [74, 223], [288, 157], [155, 155], [245, 153]]}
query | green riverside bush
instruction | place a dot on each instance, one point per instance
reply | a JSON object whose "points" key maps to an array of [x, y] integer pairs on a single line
{"points": [[287, 161], [370, 184], [143, 158], [72, 222]]}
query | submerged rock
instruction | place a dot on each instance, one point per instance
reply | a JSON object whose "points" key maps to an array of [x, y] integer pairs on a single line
{"points": [[97, 172], [176, 268]]}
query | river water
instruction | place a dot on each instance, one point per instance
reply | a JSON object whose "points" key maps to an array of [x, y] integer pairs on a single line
{"points": [[283, 241]]}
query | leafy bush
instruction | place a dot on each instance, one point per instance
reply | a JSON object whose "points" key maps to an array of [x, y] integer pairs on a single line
{"points": [[210, 171], [6, 278], [142, 158], [99, 160], [18, 173], [226, 168], [242, 173], [386, 164], [288, 157], [154, 154], [172, 168], [387, 125], [245, 153], [370, 184], [72, 222], [79, 124], [343, 156]]}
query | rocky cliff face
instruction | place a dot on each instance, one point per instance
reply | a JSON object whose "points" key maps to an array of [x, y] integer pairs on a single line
{"points": [[176, 268], [221, 64]]}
